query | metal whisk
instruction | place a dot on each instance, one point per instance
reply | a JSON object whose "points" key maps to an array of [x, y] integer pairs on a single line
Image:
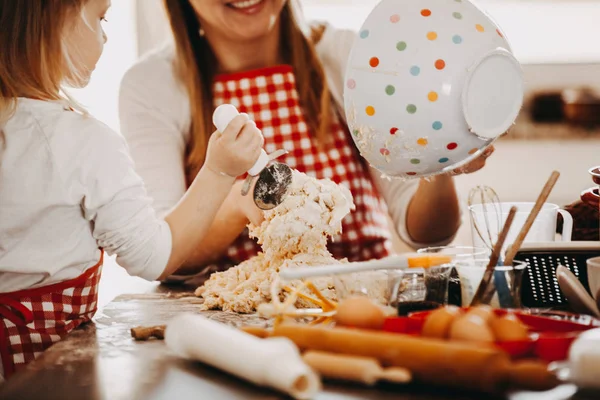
{"points": [[492, 213], [491, 210]]}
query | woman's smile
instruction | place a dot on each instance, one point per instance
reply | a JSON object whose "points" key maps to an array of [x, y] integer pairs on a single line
{"points": [[248, 7]]}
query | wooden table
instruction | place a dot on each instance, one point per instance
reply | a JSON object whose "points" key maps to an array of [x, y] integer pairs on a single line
{"points": [[102, 361]]}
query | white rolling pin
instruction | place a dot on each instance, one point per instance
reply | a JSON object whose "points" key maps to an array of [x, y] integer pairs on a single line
{"points": [[222, 116], [400, 261], [272, 362]]}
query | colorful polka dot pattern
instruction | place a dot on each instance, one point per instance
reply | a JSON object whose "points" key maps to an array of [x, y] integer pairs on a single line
{"points": [[439, 64]]}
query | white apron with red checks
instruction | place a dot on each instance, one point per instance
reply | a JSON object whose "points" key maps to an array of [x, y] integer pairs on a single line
{"points": [[32, 320], [270, 98]]}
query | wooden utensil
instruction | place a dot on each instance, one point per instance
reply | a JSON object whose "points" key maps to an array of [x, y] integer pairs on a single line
{"points": [[430, 361], [143, 333], [478, 298], [514, 248], [579, 299]]}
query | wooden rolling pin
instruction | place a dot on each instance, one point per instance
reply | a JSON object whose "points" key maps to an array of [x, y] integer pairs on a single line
{"points": [[444, 363], [366, 370]]}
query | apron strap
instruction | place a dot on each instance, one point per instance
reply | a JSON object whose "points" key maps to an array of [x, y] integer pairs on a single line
{"points": [[14, 311]]}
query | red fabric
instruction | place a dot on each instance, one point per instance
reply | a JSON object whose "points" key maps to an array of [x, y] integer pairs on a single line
{"points": [[270, 98], [34, 319]]}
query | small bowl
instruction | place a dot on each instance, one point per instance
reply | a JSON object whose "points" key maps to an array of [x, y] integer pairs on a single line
{"points": [[429, 86], [373, 284]]}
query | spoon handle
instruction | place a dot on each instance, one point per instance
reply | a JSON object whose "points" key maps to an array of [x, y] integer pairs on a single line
{"points": [[486, 281], [514, 248]]}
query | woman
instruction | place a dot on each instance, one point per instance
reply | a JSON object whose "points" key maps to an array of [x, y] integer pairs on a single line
{"points": [[256, 55]]}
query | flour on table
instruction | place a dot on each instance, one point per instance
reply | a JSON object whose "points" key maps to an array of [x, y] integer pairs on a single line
{"points": [[294, 234]]}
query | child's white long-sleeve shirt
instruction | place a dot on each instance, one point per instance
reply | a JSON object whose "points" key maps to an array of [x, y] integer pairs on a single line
{"points": [[67, 188]]}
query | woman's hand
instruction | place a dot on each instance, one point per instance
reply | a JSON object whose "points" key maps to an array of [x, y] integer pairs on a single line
{"points": [[244, 205], [474, 165]]}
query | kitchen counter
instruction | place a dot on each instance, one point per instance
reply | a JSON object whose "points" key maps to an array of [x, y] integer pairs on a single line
{"points": [[102, 361], [527, 129]]}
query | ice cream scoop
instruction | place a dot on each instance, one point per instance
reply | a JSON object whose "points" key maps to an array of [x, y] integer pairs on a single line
{"points": [[273, 180]]}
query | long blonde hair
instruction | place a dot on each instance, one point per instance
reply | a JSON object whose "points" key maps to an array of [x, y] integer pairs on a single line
{"points": [[196, 67], [33, 59]]}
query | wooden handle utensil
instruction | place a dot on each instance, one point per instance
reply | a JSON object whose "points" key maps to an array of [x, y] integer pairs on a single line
{"points": [[438, 362], [143, 333], [514, 248], [482, 289]]}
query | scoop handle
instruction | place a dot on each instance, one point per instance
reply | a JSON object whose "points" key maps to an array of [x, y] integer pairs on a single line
{"points": [[222, 116]]}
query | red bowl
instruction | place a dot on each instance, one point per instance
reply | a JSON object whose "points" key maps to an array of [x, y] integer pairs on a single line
{"points": [[519, 348], [550, 340]]}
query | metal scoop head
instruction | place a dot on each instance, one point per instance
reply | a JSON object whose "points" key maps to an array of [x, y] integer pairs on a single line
{"points": [[272, 186]]}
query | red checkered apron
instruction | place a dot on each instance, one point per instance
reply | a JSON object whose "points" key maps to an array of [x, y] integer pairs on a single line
{"points": [[270, 98], [32, 320]]}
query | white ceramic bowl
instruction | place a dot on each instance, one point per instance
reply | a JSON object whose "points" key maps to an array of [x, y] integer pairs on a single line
{"points": [[429, 85]]}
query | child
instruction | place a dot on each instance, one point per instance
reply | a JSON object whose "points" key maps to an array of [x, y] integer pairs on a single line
{"points": [[68, 190]]}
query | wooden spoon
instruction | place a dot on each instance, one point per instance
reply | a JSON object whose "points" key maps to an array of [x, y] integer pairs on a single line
{"points": [[579, 299], [514, 248]]}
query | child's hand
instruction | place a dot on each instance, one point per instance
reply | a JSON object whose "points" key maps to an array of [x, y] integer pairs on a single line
{"points": [[244, 205], [234, 151]]}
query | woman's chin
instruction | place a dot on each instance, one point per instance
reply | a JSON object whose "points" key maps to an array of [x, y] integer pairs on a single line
{"points": [[78, 82], [250, 32]]}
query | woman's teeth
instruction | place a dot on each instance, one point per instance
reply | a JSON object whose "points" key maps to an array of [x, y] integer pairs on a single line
{"points": [[245, 3]]}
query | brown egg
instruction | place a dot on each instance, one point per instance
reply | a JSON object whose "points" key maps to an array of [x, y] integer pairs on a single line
{"points": [[509, 328], [471, 328], [484, 311], [438, 323], [359, 312]]}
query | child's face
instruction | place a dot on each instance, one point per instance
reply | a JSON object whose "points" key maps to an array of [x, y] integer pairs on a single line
{"points": [[86, 42]]}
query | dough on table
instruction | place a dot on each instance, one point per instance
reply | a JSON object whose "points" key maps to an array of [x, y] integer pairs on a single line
{"points": [[294, 234]]}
